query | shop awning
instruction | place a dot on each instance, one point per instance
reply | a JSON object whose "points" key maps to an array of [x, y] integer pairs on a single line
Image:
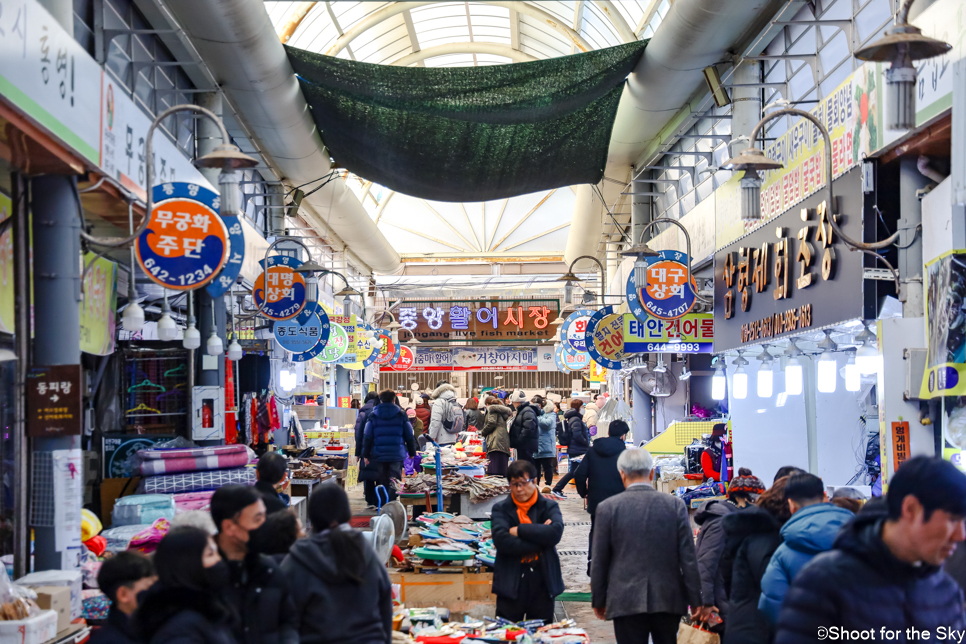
{"points": [[469, 133]]}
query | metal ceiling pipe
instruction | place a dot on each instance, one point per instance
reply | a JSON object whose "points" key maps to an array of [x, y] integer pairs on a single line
{"points": [[238, 43], [693, 35]]}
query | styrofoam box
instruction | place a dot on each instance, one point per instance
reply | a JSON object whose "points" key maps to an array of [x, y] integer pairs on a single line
{"points": [[36, 630], [69, 578]]}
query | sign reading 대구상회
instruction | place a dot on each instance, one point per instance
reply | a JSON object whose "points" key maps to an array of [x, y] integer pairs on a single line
{"points": [[480, 321], [54, 401]]}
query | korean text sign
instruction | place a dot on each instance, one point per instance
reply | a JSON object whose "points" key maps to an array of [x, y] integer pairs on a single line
{"points": [[792, 273], [692, 333], [480, 321], [54, 400]]}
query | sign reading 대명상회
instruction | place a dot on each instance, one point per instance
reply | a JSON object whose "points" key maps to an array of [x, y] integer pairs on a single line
{"points": [[480, 321]]}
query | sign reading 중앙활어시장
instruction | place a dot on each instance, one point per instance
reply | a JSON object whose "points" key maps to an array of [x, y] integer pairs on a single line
{"points": [[479, 321]]}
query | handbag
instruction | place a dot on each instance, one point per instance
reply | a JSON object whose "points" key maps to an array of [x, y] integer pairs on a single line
{"points": [[689, 633]]}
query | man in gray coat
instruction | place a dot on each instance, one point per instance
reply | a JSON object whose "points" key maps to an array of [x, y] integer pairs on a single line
{"points": [[644, 572]]}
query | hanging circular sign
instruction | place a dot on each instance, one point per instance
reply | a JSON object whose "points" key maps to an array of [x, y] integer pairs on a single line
{"points": [[668, 294], [185, 244], [285, 288], [403, 362], [299, 338], [365, 348], [337, 345], [558, 358], [605, 337], [390, 350], [574, 329], [570, 359], [236, 257]]}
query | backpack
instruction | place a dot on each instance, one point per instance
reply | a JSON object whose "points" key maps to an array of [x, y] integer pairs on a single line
{"points": [[453, 421], [565, 434]]}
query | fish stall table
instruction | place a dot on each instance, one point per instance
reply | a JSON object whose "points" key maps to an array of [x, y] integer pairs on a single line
{"points": [[304, 487]]}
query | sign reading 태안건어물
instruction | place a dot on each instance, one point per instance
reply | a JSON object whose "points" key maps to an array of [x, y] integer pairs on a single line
{"points": [[54, 401], [691, 333], [479, 321], [792, 273]]}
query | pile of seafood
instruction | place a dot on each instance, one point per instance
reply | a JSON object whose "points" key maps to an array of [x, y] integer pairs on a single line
{"points": [[307, 470], [479, 489]]}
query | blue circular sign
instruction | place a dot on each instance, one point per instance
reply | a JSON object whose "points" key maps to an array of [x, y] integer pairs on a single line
{"points": [[668, 294], [185, 244], [574, 330], [609, 334], [571, 359], [375, 352], [236, 257], [306, 340]]}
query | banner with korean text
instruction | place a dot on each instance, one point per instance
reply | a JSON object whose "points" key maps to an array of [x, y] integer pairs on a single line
{"points": [[477, 359], [479, 321]]}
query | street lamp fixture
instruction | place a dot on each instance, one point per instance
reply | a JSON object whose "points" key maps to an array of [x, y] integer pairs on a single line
{"points": [[753, 160], [570, 280], [308, 271], [901, 46]]}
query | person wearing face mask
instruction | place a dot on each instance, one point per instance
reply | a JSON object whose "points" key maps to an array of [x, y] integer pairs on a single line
{"points": [[344, 590], [185, 606], [257, 590]]}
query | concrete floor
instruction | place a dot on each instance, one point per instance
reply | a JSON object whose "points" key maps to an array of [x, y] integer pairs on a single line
{"points": [[572, 551]]}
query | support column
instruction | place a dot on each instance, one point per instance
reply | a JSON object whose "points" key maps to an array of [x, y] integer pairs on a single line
{"points": [[910, 218], [640, 209], [274, 214], [612, 264], [57, 284], [208, 137], [21, 262], [746, 111], [643, 429]]}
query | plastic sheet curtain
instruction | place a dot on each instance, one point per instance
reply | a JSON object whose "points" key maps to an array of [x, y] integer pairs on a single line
{"points": [[469, 133]]}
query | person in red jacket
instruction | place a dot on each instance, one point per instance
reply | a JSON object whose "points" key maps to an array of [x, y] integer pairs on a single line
{"points": [[424, 411], [711, 456]]}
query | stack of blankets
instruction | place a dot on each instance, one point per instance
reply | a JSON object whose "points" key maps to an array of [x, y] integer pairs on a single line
{"points": [[195, 469]]}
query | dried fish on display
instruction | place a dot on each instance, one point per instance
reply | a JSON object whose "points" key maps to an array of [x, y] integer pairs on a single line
{"points": [[479, 489], [309, 470]]}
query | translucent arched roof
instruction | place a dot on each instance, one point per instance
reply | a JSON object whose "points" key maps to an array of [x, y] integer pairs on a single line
{"points": [[435, 34]]}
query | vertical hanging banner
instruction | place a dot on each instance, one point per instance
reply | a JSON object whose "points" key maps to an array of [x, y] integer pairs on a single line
{"points": [[99, 306], [185, 245], [668, 293], [7, 311], [945, 373]]}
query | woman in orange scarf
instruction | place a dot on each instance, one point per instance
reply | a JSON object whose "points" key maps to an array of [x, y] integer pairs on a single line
{"points": [[526, 530]]}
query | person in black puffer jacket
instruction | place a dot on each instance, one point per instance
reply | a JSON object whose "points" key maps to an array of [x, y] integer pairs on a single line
{"points": [[523, 429], [388, 438], [186, 605], [578, 445], [885, 569], [597, 476], [368, 475], [751, 538]]}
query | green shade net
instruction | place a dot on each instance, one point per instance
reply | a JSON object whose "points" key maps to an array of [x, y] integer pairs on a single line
{"points": [[469, 133]]}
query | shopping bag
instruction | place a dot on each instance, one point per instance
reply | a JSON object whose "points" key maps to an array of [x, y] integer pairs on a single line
{"points": [[693, 634]]}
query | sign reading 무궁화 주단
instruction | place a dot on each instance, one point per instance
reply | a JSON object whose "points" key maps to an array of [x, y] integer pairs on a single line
{"points": [[479, 321], [793, 273], [185, 244], [945, 373], [284, 287], [668, 294], [692, 333]]}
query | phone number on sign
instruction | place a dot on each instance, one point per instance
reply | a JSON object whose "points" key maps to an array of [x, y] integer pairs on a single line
{"points": [[678, 347]]}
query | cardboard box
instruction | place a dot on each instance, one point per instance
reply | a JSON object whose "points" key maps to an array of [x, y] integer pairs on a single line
{"points": [[670, 486], [57, 599], [69, 579], [34, 630], [443, 589]]}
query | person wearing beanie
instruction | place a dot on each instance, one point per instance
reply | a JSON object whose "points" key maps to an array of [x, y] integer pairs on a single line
{"points": [[712, 537], [597, 477], [885, 568], [423, 410], [523, 429]]}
